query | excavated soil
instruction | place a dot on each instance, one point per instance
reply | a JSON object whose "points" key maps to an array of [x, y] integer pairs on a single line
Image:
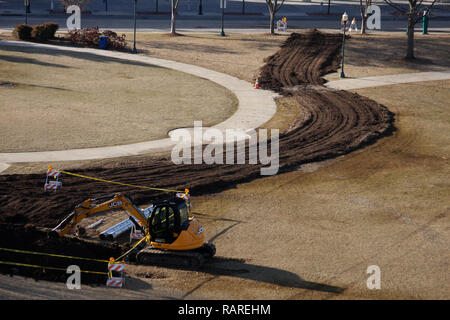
{"points": [[332, 123], [31, 238], [303, 59]]}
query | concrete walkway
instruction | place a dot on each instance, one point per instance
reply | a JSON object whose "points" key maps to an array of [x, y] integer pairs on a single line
{"points": [[347, 84], [255, 108]]}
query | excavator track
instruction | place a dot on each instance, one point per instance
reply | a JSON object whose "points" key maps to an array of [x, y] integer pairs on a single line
{"points": [[165, 258]]}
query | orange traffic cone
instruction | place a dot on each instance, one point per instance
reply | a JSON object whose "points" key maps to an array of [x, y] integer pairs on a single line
{"points": [[257, 84]]}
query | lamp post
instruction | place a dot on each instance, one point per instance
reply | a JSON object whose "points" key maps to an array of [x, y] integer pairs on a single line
{"points": [[222, 2], [344, 23], [200, 8], [425, 22], [27, 10], [134, 41]]}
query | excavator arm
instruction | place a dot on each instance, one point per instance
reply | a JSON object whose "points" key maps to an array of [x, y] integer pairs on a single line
{"points": [[91, 207]]}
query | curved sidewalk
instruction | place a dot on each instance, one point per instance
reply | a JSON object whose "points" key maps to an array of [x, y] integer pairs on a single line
{"points": [[255, 108], [368, 82]]}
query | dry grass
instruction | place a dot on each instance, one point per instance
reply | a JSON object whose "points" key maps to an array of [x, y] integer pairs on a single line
{"points": [[238, 55], [382, 54], [386, 204], [65, 101]]}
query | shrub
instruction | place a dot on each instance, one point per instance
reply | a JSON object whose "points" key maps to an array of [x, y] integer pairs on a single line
{"points": [[22, 32], [44, 32], [115, 41], [50, 29], [89, 37], [39, 33]]}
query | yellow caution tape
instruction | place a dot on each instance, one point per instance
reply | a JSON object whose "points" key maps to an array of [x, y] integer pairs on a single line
{"points": [[52, 255], [103, 180], [119, 183], [186, 192], [42, 267], [72, 257], [123, 255]]}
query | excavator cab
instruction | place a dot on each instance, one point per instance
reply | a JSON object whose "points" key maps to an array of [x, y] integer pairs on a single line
{"points": [[171, 228], [167, 220], [175, 237]]}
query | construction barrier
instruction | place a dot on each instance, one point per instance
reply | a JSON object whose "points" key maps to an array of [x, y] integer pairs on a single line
{"points": [[282, 25], [353, 27], [135, 234], [116, 274], [52, 185], [114, 282]]}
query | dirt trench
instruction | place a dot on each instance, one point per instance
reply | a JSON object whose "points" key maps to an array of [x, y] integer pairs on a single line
{"points": [[31, 238], [332, 123]]}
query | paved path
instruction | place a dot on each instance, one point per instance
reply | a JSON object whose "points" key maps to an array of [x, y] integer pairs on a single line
{"points": [[3, 166], [255, 108], [347, 84]]}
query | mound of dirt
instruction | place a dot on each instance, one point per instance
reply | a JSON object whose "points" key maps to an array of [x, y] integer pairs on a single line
{"points": [[334, 123], [303, 59]]}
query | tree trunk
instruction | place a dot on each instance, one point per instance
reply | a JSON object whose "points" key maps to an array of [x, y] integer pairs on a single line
{"points": [[174, 14], [410, 47], [362, 8], [272, 21], [363, 24]]}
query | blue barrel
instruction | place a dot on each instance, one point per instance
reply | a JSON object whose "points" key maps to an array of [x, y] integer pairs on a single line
{"points": [[103, 42]]}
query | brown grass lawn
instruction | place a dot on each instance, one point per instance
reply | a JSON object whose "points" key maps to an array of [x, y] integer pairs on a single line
{"points": [[64, 101]]}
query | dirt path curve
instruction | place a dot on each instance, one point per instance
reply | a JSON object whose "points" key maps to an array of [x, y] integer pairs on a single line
{"points": [[332, 123], [255, 108]]}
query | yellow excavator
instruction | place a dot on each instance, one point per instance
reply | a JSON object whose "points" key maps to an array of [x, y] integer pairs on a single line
{"points": [[173, 237]]}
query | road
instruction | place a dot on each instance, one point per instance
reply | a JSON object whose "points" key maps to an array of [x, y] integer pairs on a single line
{"points": [[206, 23], [119, 15]]}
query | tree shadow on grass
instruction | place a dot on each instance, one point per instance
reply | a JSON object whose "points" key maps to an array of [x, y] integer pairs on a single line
{"points": [[59, 51], [21, 84], [390, 52], [15, 59], [187, 47]]}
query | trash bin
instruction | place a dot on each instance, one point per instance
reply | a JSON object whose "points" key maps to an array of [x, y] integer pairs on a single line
{"points": [[103, 42]]}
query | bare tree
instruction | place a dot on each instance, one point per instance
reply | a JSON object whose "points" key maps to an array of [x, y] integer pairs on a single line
{"points": [[81, 3], [174, 7], [414, 12], [363, 5], [273, 6]]}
